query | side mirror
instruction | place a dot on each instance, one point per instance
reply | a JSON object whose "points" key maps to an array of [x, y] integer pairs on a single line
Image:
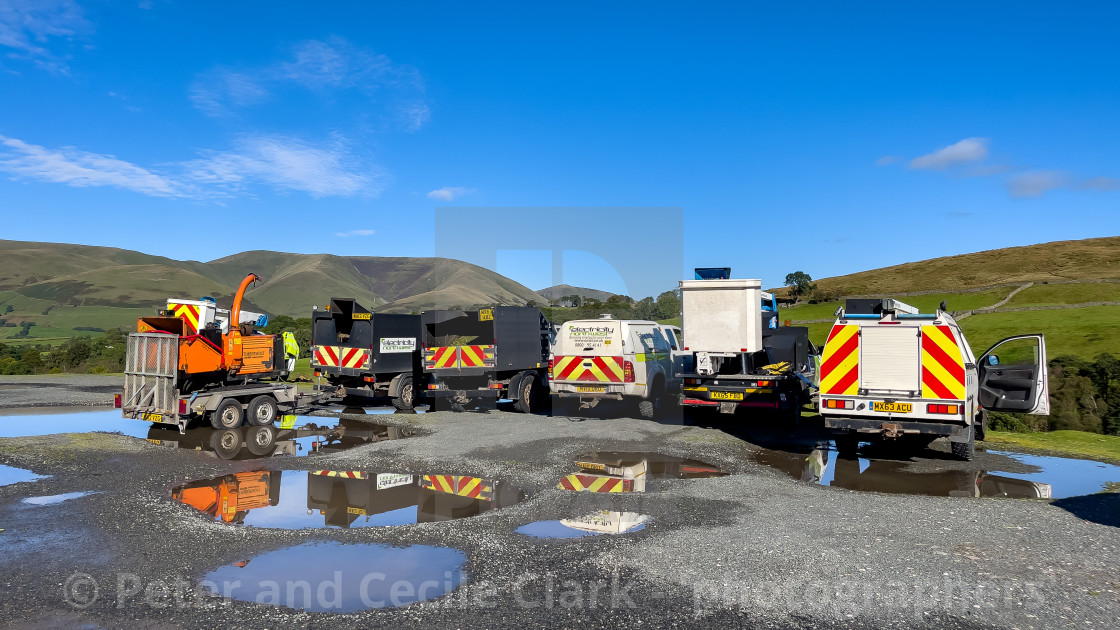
{"points": [[993, 359]]}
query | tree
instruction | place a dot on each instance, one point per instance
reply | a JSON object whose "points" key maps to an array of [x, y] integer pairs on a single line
{"points": [[668, 305], [801, 283], [645, 308]]}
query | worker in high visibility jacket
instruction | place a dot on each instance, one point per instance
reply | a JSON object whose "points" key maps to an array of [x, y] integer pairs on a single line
{"points": [[291, 350]]}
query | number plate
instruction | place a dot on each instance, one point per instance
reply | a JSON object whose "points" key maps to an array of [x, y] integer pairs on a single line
{"points": [[893, 407], [726, 395], [589, 388], [591, 465], [152, 417], [354, 510]]}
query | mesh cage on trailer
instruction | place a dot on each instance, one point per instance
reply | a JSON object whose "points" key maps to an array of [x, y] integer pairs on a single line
{"points": [[150, 369]]}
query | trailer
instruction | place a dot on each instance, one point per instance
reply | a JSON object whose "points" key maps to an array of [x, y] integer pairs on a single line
{"points": [[157, 391], [735, 355], [488, 354], [363, 354]]}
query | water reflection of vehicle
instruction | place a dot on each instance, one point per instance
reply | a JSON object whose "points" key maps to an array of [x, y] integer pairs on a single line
{"points": [[344, 496], [896, 477], [267, 441], [607, 522], [230, 497], [609, 471]]}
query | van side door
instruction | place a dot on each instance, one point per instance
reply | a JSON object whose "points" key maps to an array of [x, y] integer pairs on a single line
{"points": [[1013, 376]]}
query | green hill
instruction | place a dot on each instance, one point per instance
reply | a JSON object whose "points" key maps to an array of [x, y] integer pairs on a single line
{"points": [[1068, 290], [65, 289]]}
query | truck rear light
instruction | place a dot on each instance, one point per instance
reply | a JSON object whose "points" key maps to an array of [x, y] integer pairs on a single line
{"points": [[627, 485], [764, 383], [318, 373], [551, 365], [182, 407], [369, 379], [691, 381], [832, 403], [627, 372], [117, 401], [686, 348], [945, 409], [496, 385]]}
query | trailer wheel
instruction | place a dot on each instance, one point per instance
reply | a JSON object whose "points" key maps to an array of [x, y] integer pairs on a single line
{"points": [[263, 411], [226, 443], [227, 416], [261, 440], [526, 394], [406, 394], [967, 449]]}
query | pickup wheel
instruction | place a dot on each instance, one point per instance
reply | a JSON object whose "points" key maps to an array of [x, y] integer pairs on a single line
{"points": [[967, 449], [406, 394], [227, 416], [261, 441], [647, 408], [262, 411], [527, 394], [226, 443]]}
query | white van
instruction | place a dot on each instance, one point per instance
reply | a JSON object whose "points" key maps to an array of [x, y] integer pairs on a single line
{"points": [[627, 359]]}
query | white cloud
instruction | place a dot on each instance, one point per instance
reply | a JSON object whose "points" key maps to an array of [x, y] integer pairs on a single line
{"points": [[1102, 184], [320, 66], [28, 26], [290, 164], [1036, 183], [963, 152], [286, 164], [354, 233], [449, 193], [81, 169]]}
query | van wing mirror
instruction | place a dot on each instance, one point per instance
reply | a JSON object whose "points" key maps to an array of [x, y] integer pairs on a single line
{"points": [[1019, 381]]}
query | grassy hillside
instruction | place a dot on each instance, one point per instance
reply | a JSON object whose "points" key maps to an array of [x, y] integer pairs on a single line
{"points": [[1090, 259], [67, 290]]}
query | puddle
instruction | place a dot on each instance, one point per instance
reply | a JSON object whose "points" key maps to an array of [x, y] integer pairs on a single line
{"points": [[56, 498], [9, 475], [594, 524], [332, 436], [334, 577], [51, 420], [300, 499], [1057, 478], [609, 471]]}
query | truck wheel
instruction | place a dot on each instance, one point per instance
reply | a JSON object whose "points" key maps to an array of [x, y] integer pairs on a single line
{"points": [[227, 415], [647, 408], [406, 394], [793, 414], [526, 393], [261, 441], [967, 449], [262, 411], [226, 444]]}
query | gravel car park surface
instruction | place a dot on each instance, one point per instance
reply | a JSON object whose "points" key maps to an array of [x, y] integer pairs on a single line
{"points": [[754, 548]]}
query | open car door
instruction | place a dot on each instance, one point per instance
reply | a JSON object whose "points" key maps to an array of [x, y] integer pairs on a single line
{"points": [[1013, 376]]}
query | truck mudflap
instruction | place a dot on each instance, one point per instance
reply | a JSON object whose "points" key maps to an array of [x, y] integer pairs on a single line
{"points": [[466, 394], [894, 427]]}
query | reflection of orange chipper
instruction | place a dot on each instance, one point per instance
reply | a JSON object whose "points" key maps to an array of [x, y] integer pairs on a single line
{"points": [[230, 498]]}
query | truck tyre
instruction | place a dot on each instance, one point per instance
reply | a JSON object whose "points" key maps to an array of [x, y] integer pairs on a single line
{"points": [[274, 477], [406, 394], [227, 416], [262, 411], [981, 424], [226, 443], [526, 394], [967, 449], [793, 414], [261, 440], [647, 408]]}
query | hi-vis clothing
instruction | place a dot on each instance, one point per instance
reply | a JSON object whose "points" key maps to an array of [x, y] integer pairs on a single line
{"points": [[291, 348]]}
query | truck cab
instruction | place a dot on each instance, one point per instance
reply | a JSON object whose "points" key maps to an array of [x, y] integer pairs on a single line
{"points": [[889, 371], [605, 358]]}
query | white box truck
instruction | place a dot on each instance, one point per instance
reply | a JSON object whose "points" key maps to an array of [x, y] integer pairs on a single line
{"points": [[889, 371], [732, 359]]}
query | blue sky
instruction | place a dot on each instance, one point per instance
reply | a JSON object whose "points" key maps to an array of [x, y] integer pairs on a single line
{"points": [[829, 138]]}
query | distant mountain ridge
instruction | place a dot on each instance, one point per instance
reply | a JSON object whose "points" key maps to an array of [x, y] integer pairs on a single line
{"points": [[46, 274], [564, 290]]}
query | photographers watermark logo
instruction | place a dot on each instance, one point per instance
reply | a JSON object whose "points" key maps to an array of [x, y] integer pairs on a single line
{"points": [[80, 590]]}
